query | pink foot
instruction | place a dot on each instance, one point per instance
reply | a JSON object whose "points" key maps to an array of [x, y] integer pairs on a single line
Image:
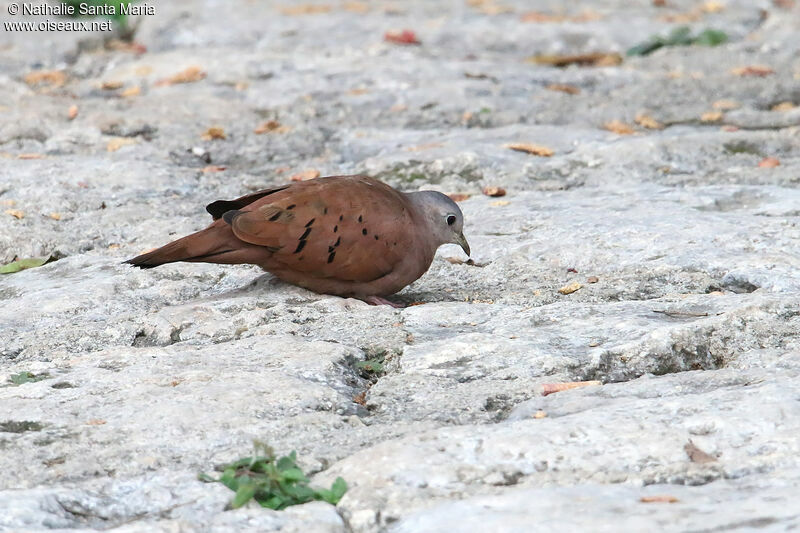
{"points": [[377, 300]]}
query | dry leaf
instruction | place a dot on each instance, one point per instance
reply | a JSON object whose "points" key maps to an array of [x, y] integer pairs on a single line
{"points": [[8, 203], [783, 106], [646, 121], [459, 197], [598, 59], [696, 455], [564, 88], [111, 85], [305, 175], [56, 78], [55, 216], [72, 112], [306, 9], [539, 414], [271, 126], [711, 116], [592, 279], [769, 162], [131, 47], [712, 6], [212, 168], [190, 75], [401, 37], [551, 388], [494, 191], [426, 146], [785, 4], [398, 108], [570, 288], [659, 499], [213, 133], [16, 213], [683, 18], [499, 203], [131, 91], [30, 156], [533, 149], [361, 399], [659, 3], [537, 17], [95, 422], [358, 91], [725, 105], [356, 7], [753, 70], [118, 142], [619, 127], [143, 70]]}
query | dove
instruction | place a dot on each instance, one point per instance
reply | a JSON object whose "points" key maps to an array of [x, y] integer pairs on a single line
{"points": [[349, 236]]}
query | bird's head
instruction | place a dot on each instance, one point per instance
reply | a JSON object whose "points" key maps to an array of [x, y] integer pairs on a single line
{"points": [[443, 216]]}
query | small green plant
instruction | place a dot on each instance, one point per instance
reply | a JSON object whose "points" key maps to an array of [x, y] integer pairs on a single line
{"points": [[372, 366], [273, 483], [22, 264], [680, 36], [27, 377]]}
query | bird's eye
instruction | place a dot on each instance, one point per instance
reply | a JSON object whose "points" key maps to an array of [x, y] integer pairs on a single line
{"points": [[451, 219]]}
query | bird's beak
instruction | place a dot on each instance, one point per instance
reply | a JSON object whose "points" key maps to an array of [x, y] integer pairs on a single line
{"points": [[462, 241]]}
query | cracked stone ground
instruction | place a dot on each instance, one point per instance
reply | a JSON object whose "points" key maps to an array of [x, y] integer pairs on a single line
{"points": [[151, 377]]}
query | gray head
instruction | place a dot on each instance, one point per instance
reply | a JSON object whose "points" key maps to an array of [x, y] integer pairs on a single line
{"points": [[444, 218]]}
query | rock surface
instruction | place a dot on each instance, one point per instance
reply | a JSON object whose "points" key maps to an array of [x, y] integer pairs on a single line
{"points": [[683, 243]]}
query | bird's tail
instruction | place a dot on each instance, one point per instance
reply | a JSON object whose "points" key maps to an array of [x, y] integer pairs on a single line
{"points": [[215, 244]]}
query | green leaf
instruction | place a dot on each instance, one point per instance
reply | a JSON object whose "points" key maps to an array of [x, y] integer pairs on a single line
{"points": [[294, 474], [205, 478], [27, 377], [244, 494], [22, 264], [711, 38]]}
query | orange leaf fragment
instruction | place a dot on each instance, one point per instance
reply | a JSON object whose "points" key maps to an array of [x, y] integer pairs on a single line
{"points": [[16, 213], [769, 162], [564, 88], [753, 70], [551, 388], [212, 168], [783, 106], [306, 9], [494, 191], [72, 112], [55, 216], [619, 127], [95, 422], [214, 133], [570, 288], [30, 156], [725, 105], [661, 498], [533, 149], [305, 175], [539, 415], [646, 121], [271, 126], [56, 78], [696, 455], [131, 91], [356, 7], [499, 203], [118, 142], [189, 75], [401, 37], [459, 197], [596, 59], [111, 85], [711, 116]]}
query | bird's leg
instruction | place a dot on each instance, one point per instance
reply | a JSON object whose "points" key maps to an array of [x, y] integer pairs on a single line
{"points": [[377, 300]]}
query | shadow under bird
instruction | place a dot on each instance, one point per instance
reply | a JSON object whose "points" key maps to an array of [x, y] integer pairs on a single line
{"points": [[350, 236]]}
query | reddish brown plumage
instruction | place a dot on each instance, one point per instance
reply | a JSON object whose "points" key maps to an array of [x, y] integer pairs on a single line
{"points": [[344, 235]]}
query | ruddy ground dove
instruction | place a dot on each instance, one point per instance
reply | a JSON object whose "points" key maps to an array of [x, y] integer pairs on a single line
{"points": [[351, 236]]}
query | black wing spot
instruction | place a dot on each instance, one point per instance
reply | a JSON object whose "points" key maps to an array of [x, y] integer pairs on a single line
{"points": [[288, 207], [330, 257], [376, 237], [364, 231], [275, 217], [304, 235], [338, 241], [336, 228], [360, 218], [300, 246], [325, 211], [341, 217], [310, 222], [331, 249]]}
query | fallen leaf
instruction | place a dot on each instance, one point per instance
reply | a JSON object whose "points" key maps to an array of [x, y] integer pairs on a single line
{"points": [[131, 47], [397, 108], [659, 3], [55, 216], [539, 414], [426, 146], [56, 78], [16, 213], [358, 91], [564, 88], [711, 116], [769, 162], [619, 127], [783, 106], [682, 18], [570, 288], [212, 168], [646, 121], [534, 149], [306, 9], [95, 422], [118, 142], [494, 191], [22, 264], [305, 175], [271, 126], [213, 133], [696, 455], [361, 399], [401, 37], [459, 197], [144, 70], [8, 203], [597, 59], [30, 156], [131, 91], [729, 128], [499, 203], [551, 388], [111, 85], [113, 246], [72, 112], [538, 17], [713, 6], [659, 499], [725, 105], [356, 7], [189, 75], [753, 70], [785, 4], [592, 279]]}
